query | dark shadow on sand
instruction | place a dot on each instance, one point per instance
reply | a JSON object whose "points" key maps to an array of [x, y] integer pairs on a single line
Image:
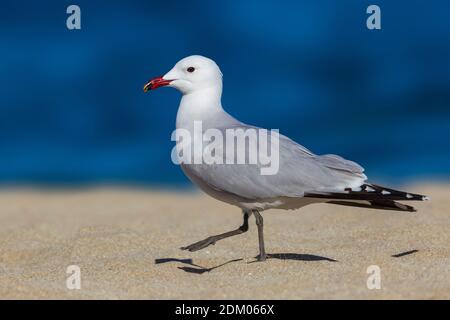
{"points": [[195, 267], [203, 270], [296, 257], [402, 254], [185, 261]]}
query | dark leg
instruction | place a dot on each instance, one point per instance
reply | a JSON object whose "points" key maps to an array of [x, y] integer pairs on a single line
{"points": [[213, 239], [260, 224]]}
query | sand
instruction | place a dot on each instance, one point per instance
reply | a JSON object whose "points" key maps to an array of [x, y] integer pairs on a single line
{"points": [[126, 244]]}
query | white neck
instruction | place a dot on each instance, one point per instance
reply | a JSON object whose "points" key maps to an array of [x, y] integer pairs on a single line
{"points": [[200, 105]]}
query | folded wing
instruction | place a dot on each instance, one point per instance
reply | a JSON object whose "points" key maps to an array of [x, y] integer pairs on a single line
{"points": [[299, 171]]}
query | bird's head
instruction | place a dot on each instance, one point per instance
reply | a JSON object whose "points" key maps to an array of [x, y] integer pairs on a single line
{"points": [[188, 75]]}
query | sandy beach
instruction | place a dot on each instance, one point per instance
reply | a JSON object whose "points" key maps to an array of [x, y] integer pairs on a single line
{"points": [[126, 244]]}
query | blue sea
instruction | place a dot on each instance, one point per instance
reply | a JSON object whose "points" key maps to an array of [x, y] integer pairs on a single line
{"points": [[72, 109]]}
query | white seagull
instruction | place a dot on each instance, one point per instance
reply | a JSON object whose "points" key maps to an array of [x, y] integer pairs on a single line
{"points": [[303, 177]]}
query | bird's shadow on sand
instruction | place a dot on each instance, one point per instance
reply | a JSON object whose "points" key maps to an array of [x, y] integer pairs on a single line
{"points": [[406, 253], [191, 267], [298, 257]]}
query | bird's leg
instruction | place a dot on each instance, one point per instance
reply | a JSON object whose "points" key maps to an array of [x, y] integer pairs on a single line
{"points": [[213, 239], [260, 224]]}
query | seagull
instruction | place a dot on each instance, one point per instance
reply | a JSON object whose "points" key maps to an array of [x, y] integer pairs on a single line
{"points": [[302, 178]]}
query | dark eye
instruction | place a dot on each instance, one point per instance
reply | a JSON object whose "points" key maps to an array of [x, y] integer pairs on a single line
{"points": [[190, 69]]}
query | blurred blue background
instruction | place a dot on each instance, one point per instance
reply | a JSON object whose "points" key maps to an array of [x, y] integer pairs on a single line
{"points": [[72, 109]]}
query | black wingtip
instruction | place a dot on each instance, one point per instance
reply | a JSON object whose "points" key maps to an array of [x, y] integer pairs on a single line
{"points": [[369, 192]]}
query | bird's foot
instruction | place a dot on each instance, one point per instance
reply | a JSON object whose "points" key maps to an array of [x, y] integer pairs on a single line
{"points": [[261, 257], [200, 244]]}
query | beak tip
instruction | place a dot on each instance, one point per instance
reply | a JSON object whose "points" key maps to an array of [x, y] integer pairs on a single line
{"points": [[147, 87], [156, 83]]}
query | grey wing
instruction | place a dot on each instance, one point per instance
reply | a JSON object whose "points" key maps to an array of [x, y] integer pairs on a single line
{"points": [[299, 171]]}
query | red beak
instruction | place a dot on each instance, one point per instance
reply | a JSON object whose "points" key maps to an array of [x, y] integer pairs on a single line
{"points": [[156, 83]]}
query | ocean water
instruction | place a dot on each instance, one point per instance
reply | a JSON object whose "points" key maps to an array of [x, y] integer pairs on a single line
{"points": [[72, 109]]}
